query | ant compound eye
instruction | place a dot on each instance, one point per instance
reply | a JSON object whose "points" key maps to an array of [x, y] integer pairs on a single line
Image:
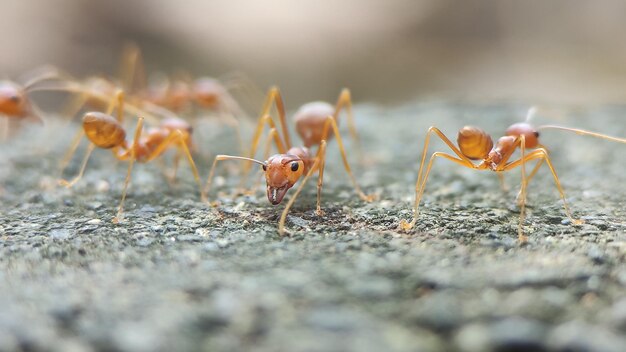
{"points": [[264, 167], [15, 98], [294, 166]]}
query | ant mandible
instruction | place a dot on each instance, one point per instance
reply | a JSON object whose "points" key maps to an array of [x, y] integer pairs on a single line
{"points": [[315, 123], [476, 144], [106, 132]]}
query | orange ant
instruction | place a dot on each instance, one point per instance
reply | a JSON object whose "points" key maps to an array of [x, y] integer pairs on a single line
{"points": [[106, 132], [179, 93], [315, 123], [15, 104], [476, 144]]}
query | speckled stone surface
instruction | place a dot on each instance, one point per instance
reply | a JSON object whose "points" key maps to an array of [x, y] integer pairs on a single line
{"points": [[179, 274]]}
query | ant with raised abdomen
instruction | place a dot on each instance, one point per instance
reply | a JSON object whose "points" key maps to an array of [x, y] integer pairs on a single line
{"points": [[106, 132], [476, 144], [315, 123]]}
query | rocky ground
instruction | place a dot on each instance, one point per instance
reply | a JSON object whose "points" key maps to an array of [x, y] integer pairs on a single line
{"points": [[181, 275]]}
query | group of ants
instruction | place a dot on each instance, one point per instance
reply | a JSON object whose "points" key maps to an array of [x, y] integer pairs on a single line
{"points": [[162, 104]]}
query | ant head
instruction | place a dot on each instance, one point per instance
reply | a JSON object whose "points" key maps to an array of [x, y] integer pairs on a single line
{"points": [[282, 171], [208, 92], [474, 142], [103, 130], [12, 100], [531, 136]]}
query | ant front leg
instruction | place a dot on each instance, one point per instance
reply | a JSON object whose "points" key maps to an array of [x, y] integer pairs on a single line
{"points": [[316, 166]]}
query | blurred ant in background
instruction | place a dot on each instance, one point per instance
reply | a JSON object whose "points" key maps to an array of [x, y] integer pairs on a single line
{"points": [[185, 95], [15, 104], [316, 123], [476, 144]]}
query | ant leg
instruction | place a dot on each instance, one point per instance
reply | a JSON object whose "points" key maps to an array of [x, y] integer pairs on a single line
{"points": [[331, 123], [530, 176], [520, 231], [132, 73], [418, 184], [273, 95], [420, 188], [283, 216], [321, 156], [177, 138], [133, 156], [433, 129], [345, 102], [175, 164], [502, 183], [543, 155], [70, 152], [71, 183], [263, 120], [45, 73], [146, 111], [266, 119], [118, 98]]}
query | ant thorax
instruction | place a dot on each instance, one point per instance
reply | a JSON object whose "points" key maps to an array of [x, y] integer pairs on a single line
{"points": [[504, 147]]}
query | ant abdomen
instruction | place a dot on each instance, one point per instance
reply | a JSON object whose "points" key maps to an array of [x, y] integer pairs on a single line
{"points": [[474, 142], [310, 120], [103, 130], [208, 92]]}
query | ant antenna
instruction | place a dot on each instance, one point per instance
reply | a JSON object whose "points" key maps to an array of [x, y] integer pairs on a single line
{"points": [[229, 157], [583, 133], [531, 113]]}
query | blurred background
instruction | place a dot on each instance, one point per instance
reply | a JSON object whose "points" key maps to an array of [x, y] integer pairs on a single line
{"points": [[565, 51]]}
